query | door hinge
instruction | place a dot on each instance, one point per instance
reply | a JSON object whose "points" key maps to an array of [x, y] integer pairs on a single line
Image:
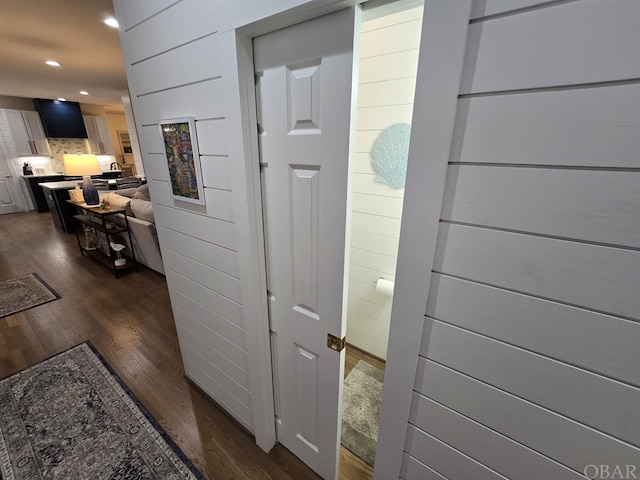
{"points": [[335, 343]]}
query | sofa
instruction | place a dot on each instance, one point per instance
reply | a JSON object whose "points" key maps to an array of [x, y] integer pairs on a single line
{"points": [[141, 224]]}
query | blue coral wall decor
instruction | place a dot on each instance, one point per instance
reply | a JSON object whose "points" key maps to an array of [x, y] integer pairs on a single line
{"points": [[390, 153]]}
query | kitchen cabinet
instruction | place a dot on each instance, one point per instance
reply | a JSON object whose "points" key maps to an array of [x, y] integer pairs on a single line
{"points": [[99, 135], [27, 133], [36, 192], [56, 195]]}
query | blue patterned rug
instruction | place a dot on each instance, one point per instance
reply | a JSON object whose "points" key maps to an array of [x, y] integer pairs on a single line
{"points": [[71, 417]]}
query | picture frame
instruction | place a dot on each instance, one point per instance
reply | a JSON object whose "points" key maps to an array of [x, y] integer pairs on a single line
{"points": [[182, 159]]}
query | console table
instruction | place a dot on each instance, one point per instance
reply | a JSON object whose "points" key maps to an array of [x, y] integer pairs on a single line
{"points": [[104, 221]]}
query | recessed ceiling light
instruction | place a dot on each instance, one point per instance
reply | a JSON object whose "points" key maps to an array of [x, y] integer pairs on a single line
{"points": [[53, 63], [84, 92], [112, 22], [62, 99]]}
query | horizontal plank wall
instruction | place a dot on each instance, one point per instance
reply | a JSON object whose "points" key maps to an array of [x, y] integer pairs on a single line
{"points": [[388, 62], [181, 59], [527, 366]]}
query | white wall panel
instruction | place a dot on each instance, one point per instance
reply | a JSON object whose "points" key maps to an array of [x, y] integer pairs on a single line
{"points": [[216, 362], [204, 252], [531, 358], [132, 13], [203, 374], [583, 127], [362, 163], [175, 103], [152, 75], [364, 291], [389, 67], [231, 332], [219, 203], [376, 224], [485, 8], [392, 38], [569, 334], [379, 118], [444, 459], [218, 281], [219, 232], [505, 456], [583, 396], [412, 469], [376, 205], [216, 172], [553, 435], [566, 44], [212, 137], [600, 278], [221, 305], [564, 203], [229, 359], [155, 169], [390, 92], [364, 258], [374, 242]]}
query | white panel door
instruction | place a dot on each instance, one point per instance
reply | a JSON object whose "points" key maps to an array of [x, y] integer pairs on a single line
{"points": [[8, 194], [304, 94]]}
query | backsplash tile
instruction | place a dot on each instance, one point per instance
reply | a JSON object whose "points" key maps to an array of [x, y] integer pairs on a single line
{"points": [[60, 146]]}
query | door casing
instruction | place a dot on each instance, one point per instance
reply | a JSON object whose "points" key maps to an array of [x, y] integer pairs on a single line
{"points": [[252, 237]]}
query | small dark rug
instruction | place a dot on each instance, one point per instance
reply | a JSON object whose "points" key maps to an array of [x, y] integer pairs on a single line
{"points": [[71, 417], [25, 292], [361, 401]]}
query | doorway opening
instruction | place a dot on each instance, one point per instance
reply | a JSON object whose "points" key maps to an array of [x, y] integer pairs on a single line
{"points": [[388, 60]]}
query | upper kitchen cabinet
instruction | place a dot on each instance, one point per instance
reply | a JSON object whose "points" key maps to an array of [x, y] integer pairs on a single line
{"points": [[27, 133], [99, 136]]}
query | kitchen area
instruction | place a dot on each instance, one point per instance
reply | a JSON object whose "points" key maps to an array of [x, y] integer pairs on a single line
{"points": [[36, 134]]}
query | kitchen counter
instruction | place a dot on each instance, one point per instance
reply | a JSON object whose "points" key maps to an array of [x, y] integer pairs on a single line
{"points": [[36, 193]]}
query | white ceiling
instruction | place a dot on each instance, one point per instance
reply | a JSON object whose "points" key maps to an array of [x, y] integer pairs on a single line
{"points": [[71, 32]]}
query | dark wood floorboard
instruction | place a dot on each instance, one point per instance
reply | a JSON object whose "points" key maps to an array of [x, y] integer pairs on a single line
{"points": [[130, 323]]}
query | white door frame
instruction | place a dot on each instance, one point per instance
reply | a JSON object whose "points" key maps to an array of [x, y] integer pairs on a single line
{"points": [[251, 236], [444, 23], [19, 197]]}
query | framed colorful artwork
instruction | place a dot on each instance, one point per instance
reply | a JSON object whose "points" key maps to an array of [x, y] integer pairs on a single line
{"points": [[182, 159]]}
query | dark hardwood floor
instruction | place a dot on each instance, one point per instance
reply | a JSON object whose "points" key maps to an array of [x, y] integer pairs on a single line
{"points": [[130, 323]]}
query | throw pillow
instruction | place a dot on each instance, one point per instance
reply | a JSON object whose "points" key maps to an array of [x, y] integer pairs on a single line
{"points": [[142, 192], [126, 192], [117, 201], [143, 210]]}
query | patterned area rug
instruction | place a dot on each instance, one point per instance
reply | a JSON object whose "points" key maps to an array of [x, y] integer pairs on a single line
{"points": [[361, 402], [71, 417], [22, 293]]}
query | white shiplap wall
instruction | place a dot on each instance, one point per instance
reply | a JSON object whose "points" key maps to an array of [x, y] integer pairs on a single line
{"points": [[182, 60], [388, 62], [527, 367]]}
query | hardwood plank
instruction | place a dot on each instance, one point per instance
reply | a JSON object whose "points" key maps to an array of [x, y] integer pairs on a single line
{"points": [[129, 321]]}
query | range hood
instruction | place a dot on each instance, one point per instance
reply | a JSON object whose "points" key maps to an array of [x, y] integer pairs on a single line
{"points": [[60, 119]]}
